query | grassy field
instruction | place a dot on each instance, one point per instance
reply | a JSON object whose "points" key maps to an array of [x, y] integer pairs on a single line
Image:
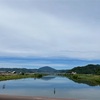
{"points": [[17, 76], [92, 80]]}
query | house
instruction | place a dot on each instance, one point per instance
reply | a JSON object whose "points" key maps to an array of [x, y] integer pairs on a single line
{"points": [[73, 73], [13, 72]]}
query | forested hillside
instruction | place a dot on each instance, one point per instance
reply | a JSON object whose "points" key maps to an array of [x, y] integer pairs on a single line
{"points": [[88, 69], [24, 70]]}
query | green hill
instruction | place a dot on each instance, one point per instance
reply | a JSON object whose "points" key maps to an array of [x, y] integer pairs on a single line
{"points": [[88, 69], [46, 69]]}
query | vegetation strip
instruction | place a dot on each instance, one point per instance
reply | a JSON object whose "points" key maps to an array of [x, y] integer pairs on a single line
{"points": [[90, 79], [17, 76]]}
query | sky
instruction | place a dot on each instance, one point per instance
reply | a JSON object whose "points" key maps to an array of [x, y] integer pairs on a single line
{"points": [[59, 33]]}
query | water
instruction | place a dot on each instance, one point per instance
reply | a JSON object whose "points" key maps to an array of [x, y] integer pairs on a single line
{"points": [[60, 87]]}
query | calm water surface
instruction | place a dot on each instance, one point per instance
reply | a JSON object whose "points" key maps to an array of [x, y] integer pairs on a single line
{"points": [[50, 86]]}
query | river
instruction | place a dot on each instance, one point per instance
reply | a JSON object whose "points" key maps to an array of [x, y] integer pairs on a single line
{"points": [[50, 86]]}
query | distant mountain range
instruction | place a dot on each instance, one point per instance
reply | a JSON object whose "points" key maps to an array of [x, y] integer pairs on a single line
{"points": [[88, 69], [45, 69]]}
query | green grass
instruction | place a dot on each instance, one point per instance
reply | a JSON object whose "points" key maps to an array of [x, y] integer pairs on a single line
{"points": [[17, 76], [89, 79]]}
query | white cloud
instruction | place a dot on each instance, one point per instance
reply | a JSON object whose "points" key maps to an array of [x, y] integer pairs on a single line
{"points": [[31, 65], [36, 32]]}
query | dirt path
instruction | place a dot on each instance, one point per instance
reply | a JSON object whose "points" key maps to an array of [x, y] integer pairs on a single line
{"points": [[7, 97]]}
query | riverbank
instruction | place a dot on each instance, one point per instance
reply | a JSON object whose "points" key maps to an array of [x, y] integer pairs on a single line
{"points": [[7, 97], [18, 76], [90, 79]]}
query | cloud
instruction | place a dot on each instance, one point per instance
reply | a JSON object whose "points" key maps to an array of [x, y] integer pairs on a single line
{"points": [[32, 66], [50, 29], [57, 63]]}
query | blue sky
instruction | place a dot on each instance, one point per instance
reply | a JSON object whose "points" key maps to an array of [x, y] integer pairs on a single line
{"points": [[57, 33]]}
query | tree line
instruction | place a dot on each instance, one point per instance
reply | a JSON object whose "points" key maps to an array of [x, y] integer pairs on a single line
{"points": [[88, 69]]}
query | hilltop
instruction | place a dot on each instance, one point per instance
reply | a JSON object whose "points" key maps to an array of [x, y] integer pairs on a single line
{"points": [[46, 69]]}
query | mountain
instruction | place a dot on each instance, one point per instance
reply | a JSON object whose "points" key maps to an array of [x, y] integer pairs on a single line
{"points": [[88, 69], [46, 69], [18, 70]]}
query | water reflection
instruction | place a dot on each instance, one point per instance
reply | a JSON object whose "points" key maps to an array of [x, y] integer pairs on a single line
{"points": [[54, 91], [60, 87], [3, 87], [87, 82], [50, 77]]}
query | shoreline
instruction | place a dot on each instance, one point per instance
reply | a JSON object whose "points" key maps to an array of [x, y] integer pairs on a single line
{"points": [[19, 76], [11, 97]]}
